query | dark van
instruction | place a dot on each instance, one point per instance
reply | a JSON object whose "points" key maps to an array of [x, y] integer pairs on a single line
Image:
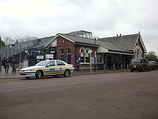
{"points": [[140, 64]]}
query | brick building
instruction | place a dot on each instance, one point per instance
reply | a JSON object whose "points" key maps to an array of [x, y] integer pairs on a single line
{"points": [[74, 48]]}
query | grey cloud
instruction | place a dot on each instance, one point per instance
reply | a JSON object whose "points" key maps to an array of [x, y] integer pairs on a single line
{"points": [[102, 17]]}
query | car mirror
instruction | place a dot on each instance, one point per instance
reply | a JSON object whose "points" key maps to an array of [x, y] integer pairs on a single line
{"points": [[47, 65]]}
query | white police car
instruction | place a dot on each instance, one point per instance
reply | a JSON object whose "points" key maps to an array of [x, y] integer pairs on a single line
{"points": [[48, 68]]}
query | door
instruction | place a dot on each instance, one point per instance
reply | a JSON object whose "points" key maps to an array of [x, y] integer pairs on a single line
{"points": [[50, 68], [60, 67], [69, 58]]}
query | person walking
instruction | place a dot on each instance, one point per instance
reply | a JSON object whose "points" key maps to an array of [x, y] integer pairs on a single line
{"points": [[13, 63], [7, 64], [3, 64]]}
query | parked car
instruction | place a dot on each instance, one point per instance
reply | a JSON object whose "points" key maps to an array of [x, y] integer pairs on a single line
{"points": [[140, 64], [48, 68], [153, 65]]}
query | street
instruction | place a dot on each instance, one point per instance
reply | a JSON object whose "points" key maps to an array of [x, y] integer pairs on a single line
{"points": [[128, 95]]}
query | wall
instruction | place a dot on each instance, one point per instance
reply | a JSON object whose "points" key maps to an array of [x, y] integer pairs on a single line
{"points": [[65, 44]]}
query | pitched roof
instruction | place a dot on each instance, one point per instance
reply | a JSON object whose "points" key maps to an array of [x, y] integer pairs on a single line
{"points": [[126, 41], [86, 41], [111, 46], [44, 40], [79, 40], [122, 44]]}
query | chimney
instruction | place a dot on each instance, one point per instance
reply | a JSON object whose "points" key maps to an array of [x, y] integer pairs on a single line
{"points": [[120, 34], [117, 35]]}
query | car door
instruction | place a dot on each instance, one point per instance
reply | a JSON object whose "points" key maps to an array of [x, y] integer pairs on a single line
{"points": [[60, 67], [146, 64], [50, 68]]}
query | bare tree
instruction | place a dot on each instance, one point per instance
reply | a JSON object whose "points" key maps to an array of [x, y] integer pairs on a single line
{"points": [[9, 40], [2, 43], [151, 55], [24, 39]]}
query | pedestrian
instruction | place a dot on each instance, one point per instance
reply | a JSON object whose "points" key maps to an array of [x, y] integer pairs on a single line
{"points": [[117, 63], [13, 64], [3, 64], [7, 64]]}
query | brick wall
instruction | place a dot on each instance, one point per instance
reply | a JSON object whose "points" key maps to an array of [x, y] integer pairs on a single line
{"points": [[65, 44]]}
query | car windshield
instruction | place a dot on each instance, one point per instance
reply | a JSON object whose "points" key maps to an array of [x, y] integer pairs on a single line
{"points": [[42, 63], [152, 62], [135, 60]]}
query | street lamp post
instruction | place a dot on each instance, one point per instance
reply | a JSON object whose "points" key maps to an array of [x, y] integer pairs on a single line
{"points": [[20, 63], [1, 55], [89, 52], [95, 54]]}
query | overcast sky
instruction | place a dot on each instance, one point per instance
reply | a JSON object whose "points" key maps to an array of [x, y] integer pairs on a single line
{"points": [[104, 18]]}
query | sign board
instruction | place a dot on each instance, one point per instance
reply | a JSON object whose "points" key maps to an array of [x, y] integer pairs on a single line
{"points": [[89, 51], [52, 51], [49, 56], [40, 57]]}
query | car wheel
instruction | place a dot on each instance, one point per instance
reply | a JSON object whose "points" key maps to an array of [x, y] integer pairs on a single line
{"points": [[143, 69], [55, 76], [27, 77], [149, 69], [39, 74], [67, 73], [131, 70]]}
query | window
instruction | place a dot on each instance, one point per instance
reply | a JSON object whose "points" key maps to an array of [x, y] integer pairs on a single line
{"points": [[138, 52], [68, 51], [100, 58], [62, 54], [87, 58], [84, 55], [68, 59], [52, 63], [60, 63], [61, 51]]}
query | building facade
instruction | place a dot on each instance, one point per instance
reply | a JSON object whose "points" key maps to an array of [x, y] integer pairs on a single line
{"points": [[112, 51], [81, 49]]}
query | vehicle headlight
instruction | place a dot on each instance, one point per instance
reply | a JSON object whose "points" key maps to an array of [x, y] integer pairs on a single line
{"points": [[27, 70]]}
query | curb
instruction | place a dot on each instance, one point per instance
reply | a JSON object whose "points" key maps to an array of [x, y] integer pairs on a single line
{"points": [[10, 76]]}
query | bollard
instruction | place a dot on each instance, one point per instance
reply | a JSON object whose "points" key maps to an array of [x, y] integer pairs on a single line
{"points": [[121, 67], [113, 68], [127, 67], [104, 68]]}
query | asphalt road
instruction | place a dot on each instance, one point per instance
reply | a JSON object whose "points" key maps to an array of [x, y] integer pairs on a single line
{"points": [[130, 95]]}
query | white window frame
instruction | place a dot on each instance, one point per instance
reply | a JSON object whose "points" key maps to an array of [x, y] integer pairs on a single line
{"points": [[84, 54]]}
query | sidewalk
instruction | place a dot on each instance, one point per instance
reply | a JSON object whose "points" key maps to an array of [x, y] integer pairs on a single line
{"points": [[4, 75], [10, 75]]}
